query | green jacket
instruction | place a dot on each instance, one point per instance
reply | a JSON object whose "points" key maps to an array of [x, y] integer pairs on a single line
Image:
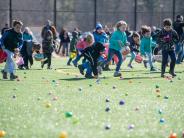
{"points": [[146, 45], [118, 40]]}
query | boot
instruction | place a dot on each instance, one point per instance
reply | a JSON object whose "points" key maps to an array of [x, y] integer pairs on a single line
{"points": [[12, 76], [117, 74], [172, 73], [81, 69], [4, 74]]}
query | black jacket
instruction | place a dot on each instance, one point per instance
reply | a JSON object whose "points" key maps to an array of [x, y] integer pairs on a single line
{"points": [[12, 40], [92, 54], [178, 27], [167, 39]]}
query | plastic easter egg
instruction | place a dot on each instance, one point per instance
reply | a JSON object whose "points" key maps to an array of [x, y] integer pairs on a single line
{"points": [[107, 100], [173, 135], [68, 114], [80, 89], [131, 126], [48, 105], [107, 109], [114, 87], [2, 133], [162, 120], [107, 127], [55, 98], [63, 135], [157, 86], [122, 102], [160, 111]]}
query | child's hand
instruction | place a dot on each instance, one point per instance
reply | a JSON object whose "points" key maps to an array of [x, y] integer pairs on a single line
{"points": [[96, 76], [16, 50]]}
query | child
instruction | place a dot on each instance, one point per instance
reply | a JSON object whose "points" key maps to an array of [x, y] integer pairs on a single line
{"points": [[100, 35], [146, 46], [91, 54], [73, 43], [12, 40], [134, 40], [167, 37], [47, 47], [26, 50], [117, 41], [87, 41]]}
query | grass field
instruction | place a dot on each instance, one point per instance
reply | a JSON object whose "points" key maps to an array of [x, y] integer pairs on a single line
{"points": [[45, 103]]}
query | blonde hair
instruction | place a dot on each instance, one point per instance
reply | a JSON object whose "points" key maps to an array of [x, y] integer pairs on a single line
{"points": [[89, 38], [120, 23]]}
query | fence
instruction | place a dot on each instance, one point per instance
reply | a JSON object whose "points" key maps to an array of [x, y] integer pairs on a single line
{"points": [[85, 13]]}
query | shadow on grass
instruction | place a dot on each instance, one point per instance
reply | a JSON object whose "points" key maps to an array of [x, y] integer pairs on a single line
{"points": [[78, 79], [160, 72], [137, 78], [65, 68]]}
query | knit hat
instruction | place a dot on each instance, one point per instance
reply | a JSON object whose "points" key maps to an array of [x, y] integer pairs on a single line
{"points": [[98, 26]]}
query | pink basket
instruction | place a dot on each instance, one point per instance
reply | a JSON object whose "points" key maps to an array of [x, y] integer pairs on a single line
{"points": [[3, 56], [126, 50], [138, 58], [20, 61]]}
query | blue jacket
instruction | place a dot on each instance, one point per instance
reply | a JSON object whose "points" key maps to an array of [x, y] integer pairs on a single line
{"points": [[102, 38]]}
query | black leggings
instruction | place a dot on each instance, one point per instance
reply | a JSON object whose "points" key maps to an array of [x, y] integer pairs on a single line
{"points": [[48, 57]]}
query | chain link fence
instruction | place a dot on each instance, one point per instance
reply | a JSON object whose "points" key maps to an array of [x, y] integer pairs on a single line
{"points": [[85, 13]]}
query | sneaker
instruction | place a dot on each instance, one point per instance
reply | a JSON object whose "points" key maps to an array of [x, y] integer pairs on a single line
{"points": [[106, 68], [68, 64], [4, 74], [99, 68], [88, 76], [81, 69], [145, 64], [162, 75], [153, 69], [13, 77], [172, 73], [74, 63], [49, 68], [42, 64], [117, 74], [130, 66]]}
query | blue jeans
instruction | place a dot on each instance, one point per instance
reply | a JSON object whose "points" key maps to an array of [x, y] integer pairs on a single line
{"points": [[111, 53], [87, 66], [179, 52], [10, 65], [165, 55], [149, 55], [133, 55]]}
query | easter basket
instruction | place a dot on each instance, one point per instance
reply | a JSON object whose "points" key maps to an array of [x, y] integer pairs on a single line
{"points": [[138, 59], [38, 57], [3, 56]]}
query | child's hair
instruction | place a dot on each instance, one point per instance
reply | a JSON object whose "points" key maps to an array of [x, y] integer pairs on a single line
{"points": [[135, 34], [15, 22], [145, 29], [120, 23], [89, 37], [167, 22]]}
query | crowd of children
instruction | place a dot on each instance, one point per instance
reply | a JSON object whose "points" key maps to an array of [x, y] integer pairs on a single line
{"points": [[97, 48]]}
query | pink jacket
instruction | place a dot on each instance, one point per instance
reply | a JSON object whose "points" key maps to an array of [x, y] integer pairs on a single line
{"points": [[81, 45]]}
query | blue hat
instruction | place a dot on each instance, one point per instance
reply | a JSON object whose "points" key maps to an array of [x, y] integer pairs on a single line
{"points": [[98, 26]]}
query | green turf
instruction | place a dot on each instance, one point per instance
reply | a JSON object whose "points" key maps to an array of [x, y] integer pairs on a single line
{"points": [[26, 115]]}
